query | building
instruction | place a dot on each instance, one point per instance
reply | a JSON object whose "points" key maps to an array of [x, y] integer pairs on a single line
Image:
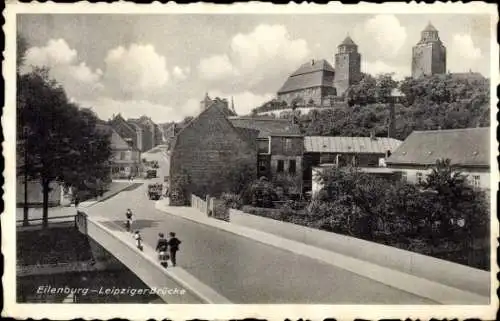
{"points": [[312, 83], [468, 149], [208, 147], [366, 153], [318, 83], [347, 65], [125, 157], [280, 146], [222, 102], [131, 133], [148, 132], [429, 55], [141, 132]]}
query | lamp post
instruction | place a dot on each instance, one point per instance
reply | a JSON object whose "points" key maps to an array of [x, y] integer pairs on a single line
{"points": [[25, 209]]}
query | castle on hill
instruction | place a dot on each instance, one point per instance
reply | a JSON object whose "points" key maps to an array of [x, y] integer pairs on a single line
{"points": [[317, 83]]}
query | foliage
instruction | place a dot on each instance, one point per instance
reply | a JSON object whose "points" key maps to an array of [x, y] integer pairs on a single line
{"points": [[231, 200], [262, 193], [62, 141], [429, 103], [444, 210], [180, 190]]}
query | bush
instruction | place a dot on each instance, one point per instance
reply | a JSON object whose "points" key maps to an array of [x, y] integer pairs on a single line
{"points": [[262, 193], [231, 200]]}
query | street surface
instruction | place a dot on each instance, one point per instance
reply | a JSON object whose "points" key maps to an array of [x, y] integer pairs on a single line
{"points": [[243, 270]]}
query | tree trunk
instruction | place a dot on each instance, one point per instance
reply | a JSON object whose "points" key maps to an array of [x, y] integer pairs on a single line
{"points": [[45, 191]]}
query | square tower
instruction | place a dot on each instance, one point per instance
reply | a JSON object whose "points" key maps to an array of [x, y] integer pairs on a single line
{"points": [[347, 66], [429, 55]]}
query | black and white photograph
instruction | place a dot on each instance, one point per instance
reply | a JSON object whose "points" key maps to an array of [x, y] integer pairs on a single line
{"points": [[250, 158]]}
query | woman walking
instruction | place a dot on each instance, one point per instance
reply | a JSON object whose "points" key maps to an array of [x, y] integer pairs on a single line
{"points": [[161, 248]]}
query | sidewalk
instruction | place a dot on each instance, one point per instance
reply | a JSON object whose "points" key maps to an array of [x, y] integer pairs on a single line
{"points": [[422, 287]]}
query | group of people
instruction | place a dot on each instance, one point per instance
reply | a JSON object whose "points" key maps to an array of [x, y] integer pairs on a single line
{"points": [[167, 248]]}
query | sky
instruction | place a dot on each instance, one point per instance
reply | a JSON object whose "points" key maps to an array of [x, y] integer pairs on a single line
{"points": [[162, 65]]}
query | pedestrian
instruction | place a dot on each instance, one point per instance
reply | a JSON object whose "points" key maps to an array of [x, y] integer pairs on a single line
{"points": [[138, 240], [173, 244], [77, 201], [161, 248], [129, 217]]}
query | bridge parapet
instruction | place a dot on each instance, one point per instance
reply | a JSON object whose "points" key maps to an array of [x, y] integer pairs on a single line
{"points": [[174, 285]]}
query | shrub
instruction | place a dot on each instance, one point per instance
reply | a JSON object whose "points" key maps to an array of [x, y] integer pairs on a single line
{"points": [[231, 200]]}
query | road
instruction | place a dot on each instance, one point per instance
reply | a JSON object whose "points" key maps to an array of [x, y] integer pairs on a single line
{"points": [[246, 271]]}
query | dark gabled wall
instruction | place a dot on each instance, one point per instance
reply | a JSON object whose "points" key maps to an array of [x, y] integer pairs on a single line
{"points": [[207, 150]]}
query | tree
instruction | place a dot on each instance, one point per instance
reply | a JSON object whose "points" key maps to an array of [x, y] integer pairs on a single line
{"points": [[62, 140]]}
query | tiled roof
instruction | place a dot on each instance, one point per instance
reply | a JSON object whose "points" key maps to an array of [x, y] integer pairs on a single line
{"points": [[470, 146], [308, 75], [266, 126], [329, 144]]}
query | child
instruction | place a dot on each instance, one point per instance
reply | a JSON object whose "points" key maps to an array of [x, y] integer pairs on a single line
{"points": [[138, 240]]}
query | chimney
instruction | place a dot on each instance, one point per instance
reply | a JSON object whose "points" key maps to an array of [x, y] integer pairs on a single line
{"points": [[312, 62]]}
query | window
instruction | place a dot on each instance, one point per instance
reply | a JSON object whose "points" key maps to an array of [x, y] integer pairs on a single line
{"points": [[263, 146], [476, 181], [262, 165], [419, 177], [288, 144], [292, 166], [281, 166]]}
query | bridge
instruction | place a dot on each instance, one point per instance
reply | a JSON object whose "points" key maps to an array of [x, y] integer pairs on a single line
{"points": [[221, 262]]}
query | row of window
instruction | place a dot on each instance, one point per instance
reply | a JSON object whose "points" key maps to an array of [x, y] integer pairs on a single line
{"points": [[265, 149], [292, 166], [475, 181]]}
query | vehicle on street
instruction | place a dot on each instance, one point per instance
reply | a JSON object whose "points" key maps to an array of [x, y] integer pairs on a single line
{"points": [[155, 191]]}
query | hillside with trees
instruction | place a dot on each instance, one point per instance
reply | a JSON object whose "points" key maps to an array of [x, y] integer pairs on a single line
{"points": [[429, 103]]}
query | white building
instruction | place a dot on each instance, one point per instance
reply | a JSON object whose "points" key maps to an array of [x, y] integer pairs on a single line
{"points": [[468, 149]]}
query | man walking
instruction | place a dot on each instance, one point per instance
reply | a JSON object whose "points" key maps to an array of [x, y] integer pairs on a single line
{"points": [[173, 244]]}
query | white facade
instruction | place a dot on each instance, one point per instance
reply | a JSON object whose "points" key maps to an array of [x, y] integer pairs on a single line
{"points": [[475, 177]]}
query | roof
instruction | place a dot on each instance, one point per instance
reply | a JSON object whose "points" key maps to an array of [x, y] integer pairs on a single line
{"points": [[347, 42], [266, 126], [468, 147], [221, 107], [310, 74], [338, 144], [430, 27]]}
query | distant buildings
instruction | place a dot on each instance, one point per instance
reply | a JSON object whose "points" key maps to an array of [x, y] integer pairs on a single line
{"points": [[142, 132], [429, 55], [468, 149]]}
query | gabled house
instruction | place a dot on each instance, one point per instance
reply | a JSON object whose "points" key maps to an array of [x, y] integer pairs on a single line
{"points": [[125, 157], [208, 148], [467, 149]]}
